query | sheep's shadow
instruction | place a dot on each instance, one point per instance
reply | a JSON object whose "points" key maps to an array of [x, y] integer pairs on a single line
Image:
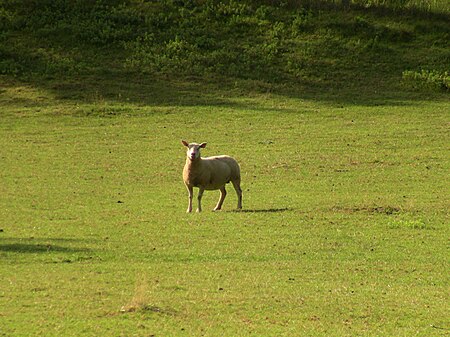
{"points": [[264, 210]]}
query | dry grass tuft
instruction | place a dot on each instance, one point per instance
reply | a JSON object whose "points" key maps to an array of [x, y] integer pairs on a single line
{"points": [[140, 299]]}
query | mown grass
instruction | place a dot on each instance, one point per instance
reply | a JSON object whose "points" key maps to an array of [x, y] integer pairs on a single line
{"points": [[345, 167], [344, 229]]}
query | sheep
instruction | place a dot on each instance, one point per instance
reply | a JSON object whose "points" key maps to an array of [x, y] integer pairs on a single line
{"points": [[210, 173]]}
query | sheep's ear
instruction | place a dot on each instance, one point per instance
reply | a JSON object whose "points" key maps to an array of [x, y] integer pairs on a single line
{"points": [[203, 145], [185, 143]]}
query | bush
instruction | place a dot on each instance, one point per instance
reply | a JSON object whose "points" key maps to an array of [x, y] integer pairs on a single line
{"points": [[427, 79]]}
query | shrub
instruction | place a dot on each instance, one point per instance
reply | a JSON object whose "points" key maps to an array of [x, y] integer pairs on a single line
{"points": [[430, 79]]}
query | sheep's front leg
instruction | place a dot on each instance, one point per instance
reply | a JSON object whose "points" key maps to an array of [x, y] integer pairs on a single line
{"points": [[200, 195], [191, 193], [223, 194]]}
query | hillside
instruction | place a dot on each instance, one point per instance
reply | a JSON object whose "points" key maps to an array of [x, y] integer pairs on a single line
{"points": [[324, 49]]}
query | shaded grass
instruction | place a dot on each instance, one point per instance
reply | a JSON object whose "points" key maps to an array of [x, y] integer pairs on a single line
{"points": [[322, 51]]}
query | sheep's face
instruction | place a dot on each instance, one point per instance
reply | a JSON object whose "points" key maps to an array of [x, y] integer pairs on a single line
{"points": [[193, 149]]}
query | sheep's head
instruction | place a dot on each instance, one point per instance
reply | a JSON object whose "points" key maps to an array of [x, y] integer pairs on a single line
{"points": [[193, 149]]}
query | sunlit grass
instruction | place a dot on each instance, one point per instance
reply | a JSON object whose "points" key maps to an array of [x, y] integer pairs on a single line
{"points": [[343, 230]]}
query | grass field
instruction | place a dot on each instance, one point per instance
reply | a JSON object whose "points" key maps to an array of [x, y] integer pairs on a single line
{"points": [[344, 230], [338, 115]]}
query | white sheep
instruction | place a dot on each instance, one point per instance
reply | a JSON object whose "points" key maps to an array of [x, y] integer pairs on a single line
{"points": [[210, 173]]}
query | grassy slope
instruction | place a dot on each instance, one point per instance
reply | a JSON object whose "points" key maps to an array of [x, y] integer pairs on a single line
{"points": [[354, 243], [317, 49]]}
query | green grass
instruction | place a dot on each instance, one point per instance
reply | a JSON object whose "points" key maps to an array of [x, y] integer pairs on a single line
{"points": [[338, 117], [315, 45], [344, 229]]}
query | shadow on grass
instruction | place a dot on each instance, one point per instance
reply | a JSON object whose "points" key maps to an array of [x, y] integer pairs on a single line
{"points": [[108, 95], [113, 89], [38, 246]]}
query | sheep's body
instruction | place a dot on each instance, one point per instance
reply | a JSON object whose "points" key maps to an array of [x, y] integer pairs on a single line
{"points": [[210, 173]]}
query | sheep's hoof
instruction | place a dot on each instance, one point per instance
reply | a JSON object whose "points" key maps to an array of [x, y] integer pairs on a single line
{"points": [[198, 210], [189, 210], [217, 209]]}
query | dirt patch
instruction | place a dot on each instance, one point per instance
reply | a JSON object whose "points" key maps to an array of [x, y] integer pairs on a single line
{"points": [[387, 210]]}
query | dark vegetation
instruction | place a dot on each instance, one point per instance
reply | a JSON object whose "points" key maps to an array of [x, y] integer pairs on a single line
{"points": [[359, 50]]}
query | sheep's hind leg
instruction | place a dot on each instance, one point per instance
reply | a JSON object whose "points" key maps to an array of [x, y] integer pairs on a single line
{"points": [[223, 194], [237, 187], [200, 195]]}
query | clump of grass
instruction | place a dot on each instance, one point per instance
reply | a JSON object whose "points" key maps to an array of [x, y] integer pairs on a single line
{"points": [[140, 299], [140, 302], [409, 224]]}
